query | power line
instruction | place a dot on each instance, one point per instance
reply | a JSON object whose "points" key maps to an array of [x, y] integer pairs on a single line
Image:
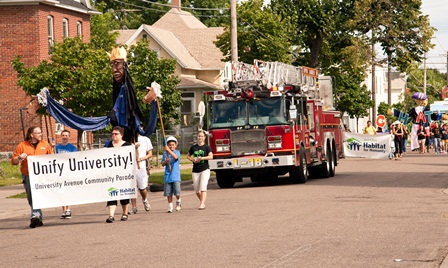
{"points": [[164, 11], [192, 8]]}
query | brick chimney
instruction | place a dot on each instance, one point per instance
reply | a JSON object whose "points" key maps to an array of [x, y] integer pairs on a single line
{"points": [[176, 4]]}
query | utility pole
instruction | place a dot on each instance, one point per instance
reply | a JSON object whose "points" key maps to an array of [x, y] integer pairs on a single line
{"points": [[389, 81], [424, 74], [233, 32], [373, 82]]}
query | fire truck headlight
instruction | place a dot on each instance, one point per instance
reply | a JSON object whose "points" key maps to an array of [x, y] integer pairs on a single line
{"points": [[222, 145], [275, 145], [223, 148], [275, 142]]}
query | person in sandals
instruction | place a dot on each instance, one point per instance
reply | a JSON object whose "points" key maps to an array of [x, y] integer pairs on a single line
{"points": [[117, 141]]}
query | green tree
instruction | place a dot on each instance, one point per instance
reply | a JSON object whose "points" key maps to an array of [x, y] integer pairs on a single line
{"points": [[77, 73], [310, 23], [351, 98], [261, 35], [101, 26], [212, 13], [398, 26], [435, 82], [385, 109], [145, 67], [80, 75]]}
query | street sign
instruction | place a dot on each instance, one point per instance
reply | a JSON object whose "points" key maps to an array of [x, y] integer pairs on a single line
{"points": [[307, 71], [380, 121]]}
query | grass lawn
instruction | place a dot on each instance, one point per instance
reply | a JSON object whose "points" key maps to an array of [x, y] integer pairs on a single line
{"points": [[157, 177], [9, 174]]}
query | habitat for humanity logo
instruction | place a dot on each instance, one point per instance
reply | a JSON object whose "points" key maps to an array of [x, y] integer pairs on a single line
{"points": [[113, 191], [353, 144]]}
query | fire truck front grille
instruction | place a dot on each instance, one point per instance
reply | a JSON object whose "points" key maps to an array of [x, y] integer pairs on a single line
{"points": [[246, 142]]}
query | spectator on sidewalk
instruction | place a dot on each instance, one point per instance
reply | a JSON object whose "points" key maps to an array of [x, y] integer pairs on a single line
{"points": [[199, 154], [144, 148], [65, 147], [171, 160], [437, 138], [444, 131], [32, 145]]}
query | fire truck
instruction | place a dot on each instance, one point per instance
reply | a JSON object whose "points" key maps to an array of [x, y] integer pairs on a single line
{"points": [[273, 119]]}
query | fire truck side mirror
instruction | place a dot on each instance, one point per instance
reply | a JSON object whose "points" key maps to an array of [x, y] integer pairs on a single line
{"points": [[292, 112]]}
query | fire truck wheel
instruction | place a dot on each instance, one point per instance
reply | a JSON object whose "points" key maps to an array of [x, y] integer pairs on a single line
{"points": [[333, 162], [299, 174], [225, 179], [326, 165]]}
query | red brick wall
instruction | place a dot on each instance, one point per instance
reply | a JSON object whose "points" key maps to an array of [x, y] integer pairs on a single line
{"points": [[24, 33]]}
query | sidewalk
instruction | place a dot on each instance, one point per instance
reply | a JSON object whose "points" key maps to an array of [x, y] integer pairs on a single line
{"points": [[13, 207]]}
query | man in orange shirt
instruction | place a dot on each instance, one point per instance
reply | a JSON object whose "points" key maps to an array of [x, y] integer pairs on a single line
{"points": [[32, 145]]}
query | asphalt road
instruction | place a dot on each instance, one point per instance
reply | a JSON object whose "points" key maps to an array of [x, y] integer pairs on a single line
{"points": [[373, 213]]}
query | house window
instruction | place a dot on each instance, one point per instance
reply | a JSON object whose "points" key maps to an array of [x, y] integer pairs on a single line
{"points": [[187, 109], [65, 28], [158, 52], [50, 33], [79, 28], [145, 37]]}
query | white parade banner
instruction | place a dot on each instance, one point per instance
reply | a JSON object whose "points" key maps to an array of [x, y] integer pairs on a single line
{"points": [[367, 146], [82, 177]]}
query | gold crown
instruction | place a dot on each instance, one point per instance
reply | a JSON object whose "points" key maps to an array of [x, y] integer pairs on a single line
{"points": [[118, 53]]}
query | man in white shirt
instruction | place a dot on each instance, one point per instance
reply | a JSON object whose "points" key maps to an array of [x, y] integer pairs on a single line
{"points": [[144, 153]]}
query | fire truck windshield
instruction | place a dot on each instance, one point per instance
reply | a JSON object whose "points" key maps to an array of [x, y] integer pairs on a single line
{"points": [[241, 113]]}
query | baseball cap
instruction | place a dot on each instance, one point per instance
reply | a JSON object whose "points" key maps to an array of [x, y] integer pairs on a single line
{"points": [[171, 138]]}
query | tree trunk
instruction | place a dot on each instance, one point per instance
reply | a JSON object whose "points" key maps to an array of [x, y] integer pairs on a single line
{"points": [[316, 45]]}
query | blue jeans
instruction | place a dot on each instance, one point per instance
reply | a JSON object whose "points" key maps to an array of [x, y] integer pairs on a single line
{"points": [[405, 143], [172, 188], [437, 145], [26, 184]]}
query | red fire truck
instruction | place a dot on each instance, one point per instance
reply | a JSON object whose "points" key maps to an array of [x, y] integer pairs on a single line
{"points": [[273, 119]]}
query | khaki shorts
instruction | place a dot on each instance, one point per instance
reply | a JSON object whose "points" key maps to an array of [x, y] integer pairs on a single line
{"points": [[200, 180]]}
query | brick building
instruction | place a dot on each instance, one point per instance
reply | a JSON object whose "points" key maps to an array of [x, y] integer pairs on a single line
{"points": [[29, 28]]}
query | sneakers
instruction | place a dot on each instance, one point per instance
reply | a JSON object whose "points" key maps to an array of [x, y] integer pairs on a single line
{"points": [[110, 219], [66, 215], [35, 222], [170, 210], [133, 211], [147, 205], [178, 205], [124, 217]]}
